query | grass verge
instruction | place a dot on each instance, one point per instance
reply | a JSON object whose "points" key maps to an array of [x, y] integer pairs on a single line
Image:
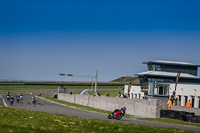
{"points": [[36, 87], [112, 93], [23, 121]]}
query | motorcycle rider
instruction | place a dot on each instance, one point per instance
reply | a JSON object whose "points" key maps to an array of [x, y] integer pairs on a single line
{"points": [[33, 100], [21, 97], [18, 97], [8, 97], [121, 109], [118, 113], [11, 100]]}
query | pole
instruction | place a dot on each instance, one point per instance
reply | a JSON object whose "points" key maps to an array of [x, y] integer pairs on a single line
{"points": [[96, 81], [92, 86], [177, 78], [129, 88]]}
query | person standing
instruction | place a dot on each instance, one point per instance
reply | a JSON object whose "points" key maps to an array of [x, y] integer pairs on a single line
{"points": [[169, 103], [188, 104]]}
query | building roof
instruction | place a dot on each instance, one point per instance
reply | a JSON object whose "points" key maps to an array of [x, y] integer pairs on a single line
{"points": [[166, 74], [171, 63]]}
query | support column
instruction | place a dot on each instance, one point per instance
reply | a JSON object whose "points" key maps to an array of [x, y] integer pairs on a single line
{"points": [[182, 100], [189, 98], [196, 102], [131, 96]]}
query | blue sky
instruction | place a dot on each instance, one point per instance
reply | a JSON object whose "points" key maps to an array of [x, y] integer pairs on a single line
{"points": [[42, 38]]}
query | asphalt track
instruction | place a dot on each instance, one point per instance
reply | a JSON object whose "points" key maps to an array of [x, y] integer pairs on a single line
{"points": [[52, 107]]}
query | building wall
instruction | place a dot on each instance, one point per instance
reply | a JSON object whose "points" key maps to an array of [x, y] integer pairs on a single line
{"points": [[187, 92], [186, 89], [183, 91], [135, 92], [148, 108]]}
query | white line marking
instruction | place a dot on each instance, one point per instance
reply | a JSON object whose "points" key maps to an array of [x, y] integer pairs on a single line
{"points": [[4, 102]]}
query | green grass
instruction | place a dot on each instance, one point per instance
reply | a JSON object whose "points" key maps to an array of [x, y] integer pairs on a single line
{"points": [[112, 93], [36, 87], [172, 121], [164, 120], [24, 121], [26, 87]]}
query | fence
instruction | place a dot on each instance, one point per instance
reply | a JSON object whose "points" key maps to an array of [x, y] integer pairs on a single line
{"points": [[148, 108]]}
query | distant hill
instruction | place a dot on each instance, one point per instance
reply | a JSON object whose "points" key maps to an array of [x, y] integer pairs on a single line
{"points": [[134, 80]]}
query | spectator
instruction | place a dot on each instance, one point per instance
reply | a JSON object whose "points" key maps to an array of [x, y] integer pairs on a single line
{"points": [[169, 103], [95, 94], [98, 94], [107, 94], [188, 104], [173, 99], [64, 90], [119, 94]]}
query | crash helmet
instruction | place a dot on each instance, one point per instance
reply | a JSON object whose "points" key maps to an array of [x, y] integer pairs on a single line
{"points": [[124, 108]]}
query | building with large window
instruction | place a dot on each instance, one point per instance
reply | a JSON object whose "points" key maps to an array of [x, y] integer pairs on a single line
{"points": [[161, 78]]}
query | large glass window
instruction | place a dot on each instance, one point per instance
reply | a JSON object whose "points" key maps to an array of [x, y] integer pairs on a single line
{"points": [[173, 68], [143, 82], [159, 89], [154, 67]]}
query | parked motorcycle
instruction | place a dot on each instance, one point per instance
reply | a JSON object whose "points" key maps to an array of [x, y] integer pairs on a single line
{"points": [[117, 114]]}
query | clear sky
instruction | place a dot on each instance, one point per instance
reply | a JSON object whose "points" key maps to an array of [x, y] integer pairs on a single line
{"points": [[41, 38]]}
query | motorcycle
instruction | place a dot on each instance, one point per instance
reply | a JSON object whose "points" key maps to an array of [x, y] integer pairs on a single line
{"points": [[17, 99], [11, 100], [33, 100], [117, 114], [21, 97], [8, 97]]}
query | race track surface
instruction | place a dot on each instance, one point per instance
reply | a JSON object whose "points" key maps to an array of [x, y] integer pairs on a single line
{"points": [[52, 107]]}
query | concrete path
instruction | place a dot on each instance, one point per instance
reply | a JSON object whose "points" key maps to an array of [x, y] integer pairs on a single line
{"points": [[52, 107]]}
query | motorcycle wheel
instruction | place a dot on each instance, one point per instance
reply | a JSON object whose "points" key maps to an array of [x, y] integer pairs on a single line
{"points": [[119, 116], [110, 116]]}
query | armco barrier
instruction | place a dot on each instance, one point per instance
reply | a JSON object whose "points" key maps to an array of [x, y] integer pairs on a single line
{"points": [[180, 115], [148, 108]]}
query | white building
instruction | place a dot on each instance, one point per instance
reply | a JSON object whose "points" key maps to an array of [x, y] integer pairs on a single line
{"points": [[160, 81]]}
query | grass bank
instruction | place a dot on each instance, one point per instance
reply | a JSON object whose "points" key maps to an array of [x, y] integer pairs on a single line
{"points": [[23, 121]]}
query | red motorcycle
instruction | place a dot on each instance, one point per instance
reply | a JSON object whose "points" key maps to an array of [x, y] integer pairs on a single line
{"points": [[117, 114]]}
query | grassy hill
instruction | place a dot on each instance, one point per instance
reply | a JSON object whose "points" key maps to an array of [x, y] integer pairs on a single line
{"points": [[126, 80]]}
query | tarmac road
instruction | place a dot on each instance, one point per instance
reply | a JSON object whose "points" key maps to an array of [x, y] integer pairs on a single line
{"points": [[52, 107]]}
